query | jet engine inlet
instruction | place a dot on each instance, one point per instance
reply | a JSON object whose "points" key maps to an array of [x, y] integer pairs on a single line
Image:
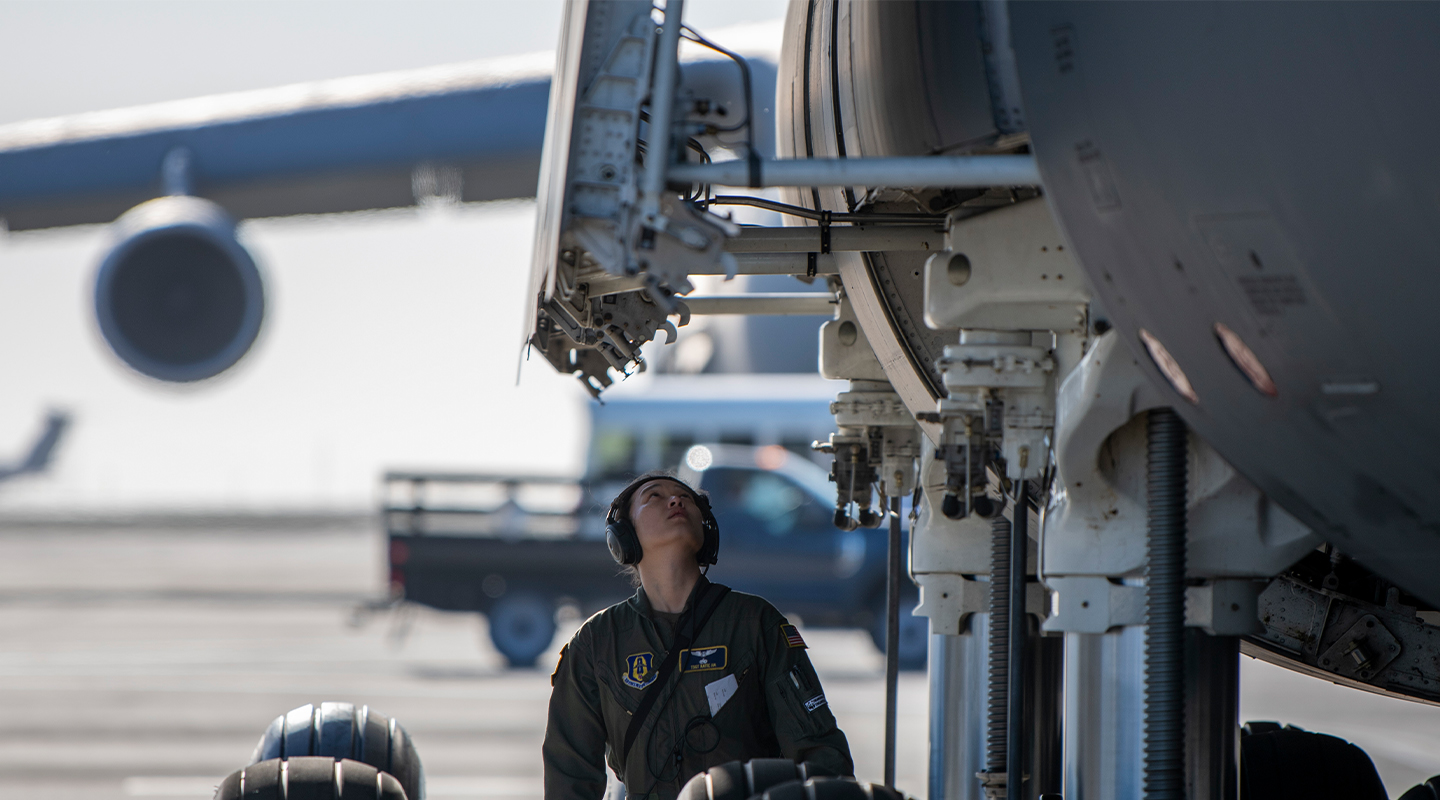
{"points": [[177, 297]]}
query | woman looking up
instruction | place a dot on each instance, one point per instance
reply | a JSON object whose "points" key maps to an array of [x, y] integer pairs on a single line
{"points": [[686, 674]]}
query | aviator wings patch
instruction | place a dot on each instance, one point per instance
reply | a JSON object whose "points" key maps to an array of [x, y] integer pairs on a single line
{"points": [[701, 659]]}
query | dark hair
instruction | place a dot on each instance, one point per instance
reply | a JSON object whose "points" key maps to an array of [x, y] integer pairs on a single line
{"points": [[621, 505]]}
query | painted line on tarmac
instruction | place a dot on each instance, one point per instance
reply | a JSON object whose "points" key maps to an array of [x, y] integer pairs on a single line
{"points": [[169, 786]]}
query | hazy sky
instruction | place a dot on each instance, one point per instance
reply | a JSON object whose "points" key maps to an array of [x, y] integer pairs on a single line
{"points": [[390, 338], [67, 56]]}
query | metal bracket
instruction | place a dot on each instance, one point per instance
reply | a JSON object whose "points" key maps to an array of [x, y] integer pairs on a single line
{"points": [[1093, 605], [1224, 607], [968, 366], [1363, 650], [949, 600], [1006, 270], [1085, 604], [845, 352], [870, 409]]}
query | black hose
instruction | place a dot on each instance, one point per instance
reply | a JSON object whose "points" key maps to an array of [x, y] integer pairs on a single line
{"points": [[892, 640], [744, 66], [1015, 697], [1165, 608], [934, 220], [998, 687]]}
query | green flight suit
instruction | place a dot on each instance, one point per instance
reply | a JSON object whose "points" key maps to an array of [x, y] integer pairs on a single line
{"points": [[766, 698]]}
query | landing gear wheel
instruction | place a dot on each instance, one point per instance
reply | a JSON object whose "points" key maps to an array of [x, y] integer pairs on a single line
{"points": [[737, 780], [522, 625]]}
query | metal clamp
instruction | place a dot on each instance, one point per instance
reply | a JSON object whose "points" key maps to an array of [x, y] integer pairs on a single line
{"points": [[1090, 604], [948, 600]]}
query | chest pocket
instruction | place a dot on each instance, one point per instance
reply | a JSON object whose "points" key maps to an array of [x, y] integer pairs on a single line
{"points": [[621, 696]]}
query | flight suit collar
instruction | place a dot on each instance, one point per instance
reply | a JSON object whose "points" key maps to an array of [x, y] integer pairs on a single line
{"points": [[641, 604]]}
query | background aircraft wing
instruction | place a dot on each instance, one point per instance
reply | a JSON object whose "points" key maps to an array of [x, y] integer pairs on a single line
{"points": [[473, 130], [468, 132]]}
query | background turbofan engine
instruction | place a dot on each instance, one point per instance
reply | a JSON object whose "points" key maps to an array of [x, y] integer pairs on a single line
{"points": [[178, 298]]}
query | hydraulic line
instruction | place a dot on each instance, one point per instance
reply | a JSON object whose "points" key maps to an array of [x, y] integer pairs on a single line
{"points": [[892, 639], [997, 689], [1017, 618], [932, 220], [1165, 608]]}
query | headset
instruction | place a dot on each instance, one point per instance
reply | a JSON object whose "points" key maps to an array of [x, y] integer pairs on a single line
{"points": [[620, 533]]}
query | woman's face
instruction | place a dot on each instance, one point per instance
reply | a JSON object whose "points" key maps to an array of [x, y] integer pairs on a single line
{"points": [[665, 517]]}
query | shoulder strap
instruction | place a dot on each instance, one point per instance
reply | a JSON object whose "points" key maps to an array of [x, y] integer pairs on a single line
{"points": [[685, 633]]}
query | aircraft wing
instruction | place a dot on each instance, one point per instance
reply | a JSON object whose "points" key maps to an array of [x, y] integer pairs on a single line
{"points": [[469, 132], [473, 129]]}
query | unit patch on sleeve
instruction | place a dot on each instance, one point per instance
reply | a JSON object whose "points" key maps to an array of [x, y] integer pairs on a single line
{"points": [[558, 662], [639, 670], [700, 659], [792, 636], [815, 702]]}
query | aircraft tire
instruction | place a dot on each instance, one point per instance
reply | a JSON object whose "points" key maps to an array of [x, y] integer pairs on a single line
{"points": [[345, 731], [1429, 790], [830, 789], [310, 777], [1283, 763], [739, 780], [522, 626]]}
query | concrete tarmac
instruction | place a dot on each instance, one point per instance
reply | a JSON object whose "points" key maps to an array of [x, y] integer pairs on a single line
{"points": [[142, 663]]}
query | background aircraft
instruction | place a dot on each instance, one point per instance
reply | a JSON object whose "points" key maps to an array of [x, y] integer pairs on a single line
{"points": [[393, 296]]}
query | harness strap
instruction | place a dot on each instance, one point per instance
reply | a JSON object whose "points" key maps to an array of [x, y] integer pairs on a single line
{"points": [[686, 629]]}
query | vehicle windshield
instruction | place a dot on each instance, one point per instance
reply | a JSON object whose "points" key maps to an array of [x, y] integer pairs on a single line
{"points": [[813, 478]]}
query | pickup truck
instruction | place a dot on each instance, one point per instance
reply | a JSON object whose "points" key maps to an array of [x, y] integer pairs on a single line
{"points": [[517, 549]]}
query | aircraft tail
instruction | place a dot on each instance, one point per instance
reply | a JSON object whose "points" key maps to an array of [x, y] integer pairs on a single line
{"points": [[41, 452]]}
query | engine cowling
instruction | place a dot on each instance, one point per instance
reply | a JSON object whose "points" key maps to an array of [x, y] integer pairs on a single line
{"points": [[178, 298]]}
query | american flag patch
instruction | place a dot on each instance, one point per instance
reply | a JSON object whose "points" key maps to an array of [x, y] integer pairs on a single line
{"points": [[792, 636]]}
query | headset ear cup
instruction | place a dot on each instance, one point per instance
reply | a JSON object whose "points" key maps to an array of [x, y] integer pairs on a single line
{"points": [[623, 544], [710, 551], [617, 550], [710, 546]]}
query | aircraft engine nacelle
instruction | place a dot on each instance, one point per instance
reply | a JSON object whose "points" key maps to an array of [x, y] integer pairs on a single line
{"points": [[177, 297]]}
